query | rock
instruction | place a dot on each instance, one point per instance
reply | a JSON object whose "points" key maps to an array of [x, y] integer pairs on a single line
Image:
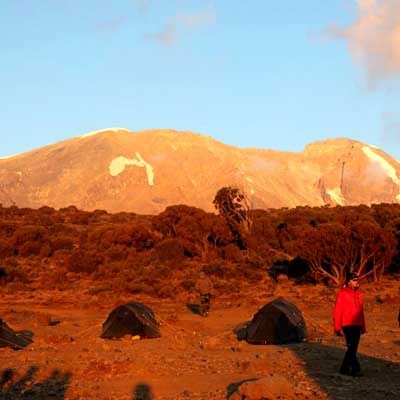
{"points": [[379, 299], [211, 343], [283, 278], [272, 387]]}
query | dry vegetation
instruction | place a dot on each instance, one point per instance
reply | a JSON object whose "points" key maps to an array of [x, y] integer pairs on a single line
{"points": [[62, 271], [161, 255]]}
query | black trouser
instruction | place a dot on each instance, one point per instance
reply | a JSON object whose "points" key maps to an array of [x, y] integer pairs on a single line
{"points": [[350, 363]]}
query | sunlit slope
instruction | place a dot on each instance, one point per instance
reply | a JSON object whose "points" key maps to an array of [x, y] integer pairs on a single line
{"points": [[119, 170]]}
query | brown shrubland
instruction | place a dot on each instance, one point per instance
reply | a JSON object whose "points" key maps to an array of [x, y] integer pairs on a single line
{"points": [[161, 255]]}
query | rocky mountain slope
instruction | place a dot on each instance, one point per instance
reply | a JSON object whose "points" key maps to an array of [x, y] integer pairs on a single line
{"points": [[144, 172]]}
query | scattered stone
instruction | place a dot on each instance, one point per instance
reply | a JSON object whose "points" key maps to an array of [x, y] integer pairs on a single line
{"points": [[272, 387]]}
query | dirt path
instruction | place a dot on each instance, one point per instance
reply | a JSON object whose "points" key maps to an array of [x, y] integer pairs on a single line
{"points": [[196, 358]]}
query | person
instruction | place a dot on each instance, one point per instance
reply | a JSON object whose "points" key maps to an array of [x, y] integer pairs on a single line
{"points": [[204, 287], [349, 319]]}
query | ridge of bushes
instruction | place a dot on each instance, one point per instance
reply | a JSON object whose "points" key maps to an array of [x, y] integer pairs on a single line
{"points": [[160, 254]]}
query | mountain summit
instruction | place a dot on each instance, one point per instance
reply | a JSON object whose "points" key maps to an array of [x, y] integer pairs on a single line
{"points": [[144, 172]]}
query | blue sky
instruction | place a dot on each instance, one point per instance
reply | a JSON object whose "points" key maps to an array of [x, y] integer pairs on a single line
{"points": [[257, 73]]}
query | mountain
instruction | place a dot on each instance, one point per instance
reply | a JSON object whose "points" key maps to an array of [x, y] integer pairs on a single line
{"points": [[144, 172]]}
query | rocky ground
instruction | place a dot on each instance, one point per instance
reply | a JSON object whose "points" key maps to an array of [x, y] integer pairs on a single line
{"points": [[196, 357]]}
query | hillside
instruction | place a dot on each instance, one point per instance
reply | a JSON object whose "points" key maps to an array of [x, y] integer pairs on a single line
{"points": [[144, 172]]}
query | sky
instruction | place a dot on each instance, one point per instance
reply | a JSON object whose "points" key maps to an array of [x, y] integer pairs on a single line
{"points": [[256, 73]]}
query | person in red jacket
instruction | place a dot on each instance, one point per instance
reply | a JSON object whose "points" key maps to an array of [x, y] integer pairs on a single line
{"points": [[348, 319]]}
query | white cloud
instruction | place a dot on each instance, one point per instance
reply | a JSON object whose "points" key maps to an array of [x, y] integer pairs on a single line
{"points": [[178, 26], [373, 38], [142, 5]]}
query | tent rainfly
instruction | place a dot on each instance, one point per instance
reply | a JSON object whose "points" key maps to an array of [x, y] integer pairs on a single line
{"points": [[277, 322], [10, 338], [134, 319]]}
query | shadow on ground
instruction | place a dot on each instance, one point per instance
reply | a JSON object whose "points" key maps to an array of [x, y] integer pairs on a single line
{"points": [[380, 378], [240, 330], [194, 308], [142, 391], [28, 387], [233, 387]]}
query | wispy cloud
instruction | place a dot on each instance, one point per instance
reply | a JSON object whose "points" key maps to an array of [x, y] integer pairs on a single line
{"points": [[178, 26], [373, 38], [391, 128], [167, 37], [142, 5], [111, 25], [193, 21]]}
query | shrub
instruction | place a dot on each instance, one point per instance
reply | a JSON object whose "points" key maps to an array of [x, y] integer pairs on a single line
{"points": [[169, 249], [62, 242], [84, 261], [30, 249], [6, 249]]}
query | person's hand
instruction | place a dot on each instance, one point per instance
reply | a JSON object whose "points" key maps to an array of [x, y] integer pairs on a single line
{"points": [[339, 333]]}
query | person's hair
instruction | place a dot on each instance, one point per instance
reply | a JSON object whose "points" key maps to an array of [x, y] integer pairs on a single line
{"points": [[351, 276]]}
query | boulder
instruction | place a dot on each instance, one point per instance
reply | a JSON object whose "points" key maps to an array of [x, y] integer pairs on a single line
{"points": [[268, 388]]}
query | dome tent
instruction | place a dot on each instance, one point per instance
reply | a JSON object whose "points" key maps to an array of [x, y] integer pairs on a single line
{"points": [[277, 322], [131, 319], [10, 338]]}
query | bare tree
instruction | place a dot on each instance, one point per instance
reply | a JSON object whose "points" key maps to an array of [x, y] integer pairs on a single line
{"points": [[333, 250], [233, 205]]}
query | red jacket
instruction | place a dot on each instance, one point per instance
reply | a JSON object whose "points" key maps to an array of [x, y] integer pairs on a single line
{"points": [[349, 309]]}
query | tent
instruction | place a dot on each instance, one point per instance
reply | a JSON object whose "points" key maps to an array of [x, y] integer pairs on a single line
{"points": [[131, 319], [15, 340], [277, 322]]}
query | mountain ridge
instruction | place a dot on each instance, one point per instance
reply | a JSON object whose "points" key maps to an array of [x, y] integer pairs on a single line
{"points": [[144, 172]]}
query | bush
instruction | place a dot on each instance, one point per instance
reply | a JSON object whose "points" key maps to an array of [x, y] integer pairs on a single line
{"points": [[62, 242], [84, 262], [30, 249], [6, 249], [169, 249]]}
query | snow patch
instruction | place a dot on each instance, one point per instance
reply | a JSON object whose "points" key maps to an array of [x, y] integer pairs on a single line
{"points": [[385, 165], [248, 179], [118, 165], [398, 198], [5, 158], [337, 196], [252, 191], [104, 130]]}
